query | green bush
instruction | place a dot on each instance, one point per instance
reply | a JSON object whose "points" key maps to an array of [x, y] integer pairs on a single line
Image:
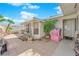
{"points": [[49, 25]]}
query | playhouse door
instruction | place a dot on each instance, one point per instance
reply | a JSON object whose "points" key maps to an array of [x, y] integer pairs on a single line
{"points": [[36, 30]]}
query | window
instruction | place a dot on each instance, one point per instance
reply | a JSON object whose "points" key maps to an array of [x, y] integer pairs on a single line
{"points": [[36, 31]]}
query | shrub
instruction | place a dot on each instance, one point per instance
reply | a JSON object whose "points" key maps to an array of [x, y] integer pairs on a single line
{"points": [[49, 25]]}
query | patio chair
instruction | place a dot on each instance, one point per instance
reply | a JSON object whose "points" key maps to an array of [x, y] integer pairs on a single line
{"points": [[3, 46]]}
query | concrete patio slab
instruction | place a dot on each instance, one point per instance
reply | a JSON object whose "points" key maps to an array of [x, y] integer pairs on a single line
{"points": [[65, 48]]}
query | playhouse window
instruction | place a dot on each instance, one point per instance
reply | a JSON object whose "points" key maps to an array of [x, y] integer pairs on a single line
{"points": [[36, 31]]}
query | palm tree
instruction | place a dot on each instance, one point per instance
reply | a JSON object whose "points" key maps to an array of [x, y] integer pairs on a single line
{"points": [[2, 18], [9, 23]]}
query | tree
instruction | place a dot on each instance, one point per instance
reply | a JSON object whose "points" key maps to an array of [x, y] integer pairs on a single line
{"points": [[2, 19], [49, 25], [9, 23]]}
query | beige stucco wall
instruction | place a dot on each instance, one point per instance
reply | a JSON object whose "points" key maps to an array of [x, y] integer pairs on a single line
{"points": [[74, 15], [78, 19], [66, 17], [59, 25]]}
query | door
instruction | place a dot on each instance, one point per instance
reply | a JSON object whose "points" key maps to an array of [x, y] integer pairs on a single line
{"points": [[69, 28], [36, 30]]}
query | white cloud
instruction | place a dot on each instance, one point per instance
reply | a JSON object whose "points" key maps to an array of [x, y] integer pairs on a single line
{"points": [[16, 4], [30, 6], [59, 11], [24, 7], [15, 20], [18, 20], [33, 7], [27, 15]]}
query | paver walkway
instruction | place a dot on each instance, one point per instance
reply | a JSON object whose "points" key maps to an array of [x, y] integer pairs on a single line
{"points": [[16, 47], [65, 48]]}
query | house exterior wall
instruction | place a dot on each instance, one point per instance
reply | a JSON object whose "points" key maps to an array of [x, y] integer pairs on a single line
{"points": [[59, 25], [78, 18], [72, 15], [69, 16]]}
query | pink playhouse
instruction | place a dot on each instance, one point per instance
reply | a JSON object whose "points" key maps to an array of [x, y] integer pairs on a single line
{"points": [[55, 35]]}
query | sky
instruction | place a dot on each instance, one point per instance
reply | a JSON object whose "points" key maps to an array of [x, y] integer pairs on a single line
{"points": [[20, 12]]}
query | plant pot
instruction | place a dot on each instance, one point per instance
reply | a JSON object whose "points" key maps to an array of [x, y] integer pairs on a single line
{"points": [[47, 38], [29, 38]]}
